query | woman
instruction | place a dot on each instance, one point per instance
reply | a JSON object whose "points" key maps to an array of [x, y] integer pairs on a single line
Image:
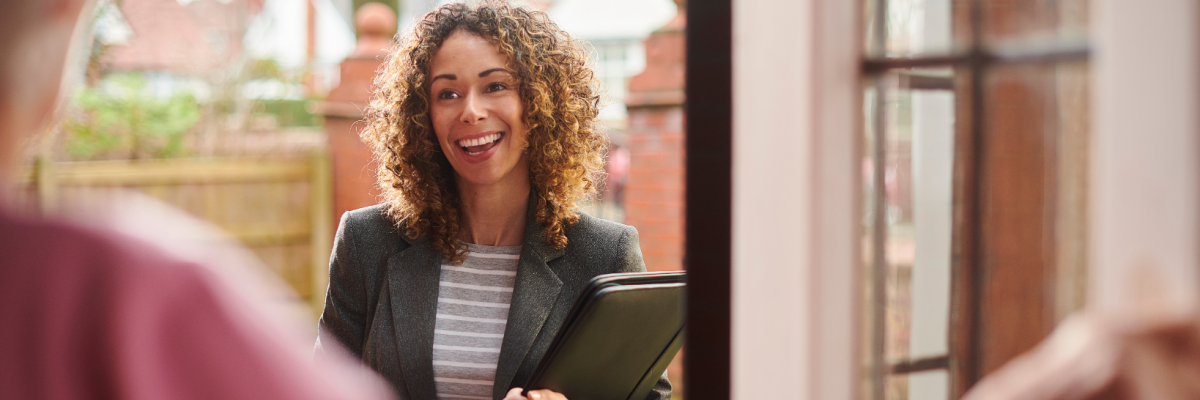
{"points": [[483, 127]]}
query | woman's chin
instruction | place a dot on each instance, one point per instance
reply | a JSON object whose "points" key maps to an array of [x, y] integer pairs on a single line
{"points": [[492, 178]]}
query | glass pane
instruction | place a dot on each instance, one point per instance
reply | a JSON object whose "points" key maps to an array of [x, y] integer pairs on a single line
{"points": [[913, 27], [924, 385], [931, 146], [1035, 23], [929, 385], [872, 316], [1033, 205], [907, 220]]}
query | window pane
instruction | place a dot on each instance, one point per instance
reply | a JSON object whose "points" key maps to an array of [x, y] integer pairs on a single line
{"points": [[1025, 23], [908, 219], [913, 27], [929, 385]]}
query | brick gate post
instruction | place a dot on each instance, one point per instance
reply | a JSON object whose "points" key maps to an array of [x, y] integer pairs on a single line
{"points": [[353, 170]]}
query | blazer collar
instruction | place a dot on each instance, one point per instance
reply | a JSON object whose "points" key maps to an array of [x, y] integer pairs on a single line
{"points": [[534, 294], [413, 283], [414, 303]]}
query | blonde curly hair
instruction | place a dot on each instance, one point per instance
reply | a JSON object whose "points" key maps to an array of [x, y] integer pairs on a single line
{"points": [[565, 152]]}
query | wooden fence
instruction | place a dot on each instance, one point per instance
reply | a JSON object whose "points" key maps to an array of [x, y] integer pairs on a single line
{"points": [[280, 208]]}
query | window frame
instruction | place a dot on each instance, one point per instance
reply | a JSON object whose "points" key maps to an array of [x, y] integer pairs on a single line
{"points": [[967, 284]]}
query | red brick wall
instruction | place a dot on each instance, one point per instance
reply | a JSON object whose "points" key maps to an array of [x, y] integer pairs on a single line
{"points": [[654, 189], [353, 172]]}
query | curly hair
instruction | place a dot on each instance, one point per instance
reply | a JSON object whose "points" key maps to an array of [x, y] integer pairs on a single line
{"points": [[565, 152]]}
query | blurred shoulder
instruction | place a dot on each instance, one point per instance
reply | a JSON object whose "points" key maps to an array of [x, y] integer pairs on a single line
{"points": [[53, 247]]}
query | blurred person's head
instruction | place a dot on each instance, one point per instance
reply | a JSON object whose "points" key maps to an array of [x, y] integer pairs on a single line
{"points": [[552, 128], [34, 40]]}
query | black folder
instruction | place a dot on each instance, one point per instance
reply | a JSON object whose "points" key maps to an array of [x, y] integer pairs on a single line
{"points": [[621, 334]]}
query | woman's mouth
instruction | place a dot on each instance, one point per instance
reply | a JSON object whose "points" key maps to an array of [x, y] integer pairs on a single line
{"points": [[477, 146]]}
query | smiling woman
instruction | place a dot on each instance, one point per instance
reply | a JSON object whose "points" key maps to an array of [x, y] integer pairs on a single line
{"points": [[478, 118], [546, 70], [483, 126]]}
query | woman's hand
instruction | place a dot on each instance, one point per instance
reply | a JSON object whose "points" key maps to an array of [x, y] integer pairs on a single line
{"points": [[543, 394]]}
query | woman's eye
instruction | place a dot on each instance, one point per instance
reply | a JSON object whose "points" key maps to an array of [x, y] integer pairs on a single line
{"points": [[447, 94], [496, 87]]}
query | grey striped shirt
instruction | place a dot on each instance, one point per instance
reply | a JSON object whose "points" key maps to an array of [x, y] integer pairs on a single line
{"points": [[472, 311]]}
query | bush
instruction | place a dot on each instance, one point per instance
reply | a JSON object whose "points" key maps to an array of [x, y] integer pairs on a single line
{"points": [[121, 116]]}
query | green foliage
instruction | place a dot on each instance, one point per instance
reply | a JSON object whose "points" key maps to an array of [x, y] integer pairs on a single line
{"points": [[263, 69], [289, 112], [121, 116]]}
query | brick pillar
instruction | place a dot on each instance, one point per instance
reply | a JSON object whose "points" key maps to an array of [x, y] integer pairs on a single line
{"points": [[654, 189], [353, 170]]}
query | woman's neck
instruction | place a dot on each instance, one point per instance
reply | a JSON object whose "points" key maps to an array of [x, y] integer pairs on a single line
{"points": [[494, 215]]}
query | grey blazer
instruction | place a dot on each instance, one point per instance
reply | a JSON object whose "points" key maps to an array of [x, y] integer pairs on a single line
{"points": [[383, 290]]}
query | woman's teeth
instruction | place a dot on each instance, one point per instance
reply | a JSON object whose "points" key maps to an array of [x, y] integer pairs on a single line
{"points": [[479, 141], [478, 145]]}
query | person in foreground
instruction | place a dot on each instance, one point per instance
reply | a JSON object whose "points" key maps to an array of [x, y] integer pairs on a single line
{"points": [[1148, 349], [483, 128], [89, 313]]}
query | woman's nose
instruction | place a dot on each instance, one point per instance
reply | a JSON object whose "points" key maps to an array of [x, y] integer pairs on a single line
{"points": [[473, 110]]}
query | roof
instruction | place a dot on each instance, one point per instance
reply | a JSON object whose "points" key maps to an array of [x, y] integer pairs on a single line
{"points": [[181, 35]]}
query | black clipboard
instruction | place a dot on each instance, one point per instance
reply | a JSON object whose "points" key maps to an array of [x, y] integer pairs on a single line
{"points": [[621, 334]]}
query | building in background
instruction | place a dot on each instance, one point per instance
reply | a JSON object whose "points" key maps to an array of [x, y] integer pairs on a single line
{"points": [[309, 37], [178, 45]]}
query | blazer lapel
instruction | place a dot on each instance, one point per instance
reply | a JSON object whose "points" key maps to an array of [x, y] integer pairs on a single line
{"points": [[413, 281], [534, 295]]}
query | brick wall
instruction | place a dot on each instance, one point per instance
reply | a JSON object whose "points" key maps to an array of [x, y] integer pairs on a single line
{"points": [[353, 172], [654, 189]]}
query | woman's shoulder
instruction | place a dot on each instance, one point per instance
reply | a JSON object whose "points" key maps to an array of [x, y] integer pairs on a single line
{"points": [[604, 243], [370, 226], [370, 216], [590, 229]]}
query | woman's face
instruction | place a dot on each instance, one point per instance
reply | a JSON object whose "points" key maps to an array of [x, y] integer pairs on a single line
{"points": [[477, 112]]}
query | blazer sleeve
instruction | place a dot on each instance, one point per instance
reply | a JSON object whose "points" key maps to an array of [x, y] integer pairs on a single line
{"points": [[344, 316], [633, 262]]}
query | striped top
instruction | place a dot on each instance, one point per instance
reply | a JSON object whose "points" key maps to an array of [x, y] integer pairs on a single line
{"points": [[472, 311]]}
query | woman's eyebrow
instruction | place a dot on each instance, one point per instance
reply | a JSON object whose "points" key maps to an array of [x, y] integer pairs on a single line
{"points": [[446, 76], [488, 72]]}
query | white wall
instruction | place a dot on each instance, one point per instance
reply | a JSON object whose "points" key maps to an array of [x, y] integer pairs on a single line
{"points": [[1145, 242], [795, 182]]}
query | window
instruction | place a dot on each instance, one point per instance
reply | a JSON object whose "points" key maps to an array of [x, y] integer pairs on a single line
{"points": [[974, 186]]}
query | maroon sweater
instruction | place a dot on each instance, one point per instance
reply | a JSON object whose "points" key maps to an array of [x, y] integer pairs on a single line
{"points": [[88, 314]]}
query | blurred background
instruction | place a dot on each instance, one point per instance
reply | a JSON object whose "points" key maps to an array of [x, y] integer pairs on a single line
{"points": [[965, 181], [244, 113]]}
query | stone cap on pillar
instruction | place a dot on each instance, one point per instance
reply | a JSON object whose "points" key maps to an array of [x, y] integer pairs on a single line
{"points": [[375, 24], [662, 82]]}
